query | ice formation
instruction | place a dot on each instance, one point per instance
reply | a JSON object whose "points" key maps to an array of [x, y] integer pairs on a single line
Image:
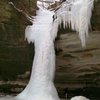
{"points": [[73, 13], [41, 85], [77, 14]]}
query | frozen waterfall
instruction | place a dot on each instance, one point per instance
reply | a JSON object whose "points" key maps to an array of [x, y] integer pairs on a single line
{"points": [[75, 14]]}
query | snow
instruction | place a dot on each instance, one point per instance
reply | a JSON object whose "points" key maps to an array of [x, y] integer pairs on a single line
{"points": [[79, 98], [7, 97]]}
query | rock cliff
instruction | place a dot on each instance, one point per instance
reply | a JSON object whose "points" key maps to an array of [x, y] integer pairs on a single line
{"points": [[77, 67]]}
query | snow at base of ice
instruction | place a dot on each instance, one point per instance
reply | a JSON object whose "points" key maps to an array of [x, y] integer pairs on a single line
{"points": [[79, 98], [73, 98], [7, 97]]}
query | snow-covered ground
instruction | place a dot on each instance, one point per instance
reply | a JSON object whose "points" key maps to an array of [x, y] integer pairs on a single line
{"points": [[11, 98], [7, 97]]}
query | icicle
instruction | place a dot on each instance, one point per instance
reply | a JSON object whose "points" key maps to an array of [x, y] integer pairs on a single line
{"points": [[54, 29], [78, 15]]}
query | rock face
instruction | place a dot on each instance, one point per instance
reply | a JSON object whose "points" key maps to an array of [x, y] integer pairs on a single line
{"points": [[77, 67], [15, 53]]}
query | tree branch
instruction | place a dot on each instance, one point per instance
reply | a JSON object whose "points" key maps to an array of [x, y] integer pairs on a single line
{"points": [[29, 17]]}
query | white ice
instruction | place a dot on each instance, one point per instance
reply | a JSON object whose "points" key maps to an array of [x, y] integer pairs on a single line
{"points": [[76, 14], [79, 98], [41, 86]]}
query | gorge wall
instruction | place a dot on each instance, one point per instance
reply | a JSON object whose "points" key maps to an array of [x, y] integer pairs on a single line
{"points": [[76, 67]]}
